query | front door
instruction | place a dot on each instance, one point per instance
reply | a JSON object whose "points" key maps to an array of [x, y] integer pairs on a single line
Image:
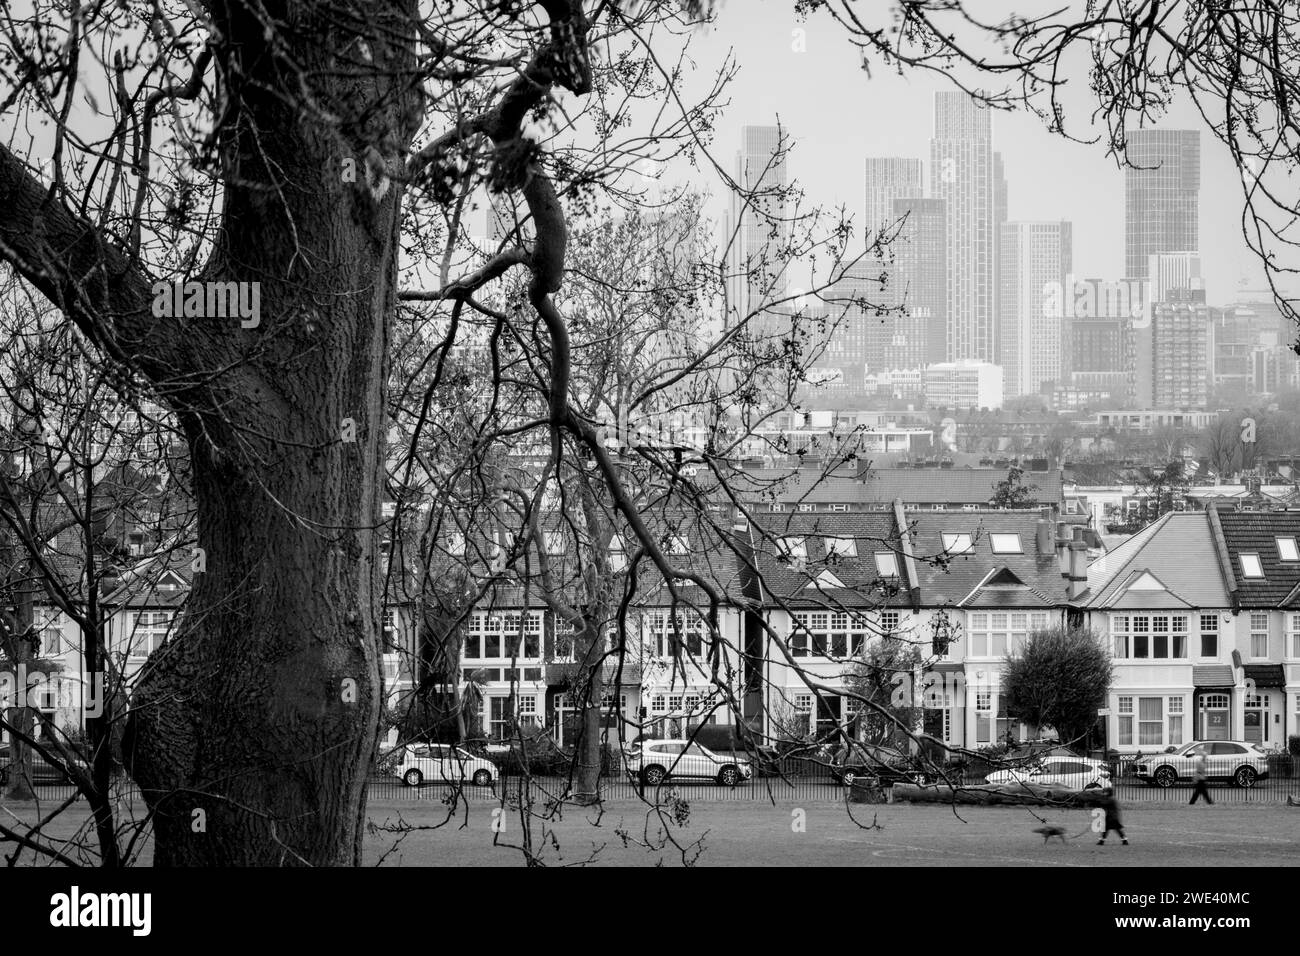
{"points": [[1257, 718], [1216, 722]]}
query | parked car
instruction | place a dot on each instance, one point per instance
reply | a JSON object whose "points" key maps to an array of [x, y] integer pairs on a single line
{"points": [[1236, 761], [859, 760], [43, 772], [728, 742], [655, 761], [1077, 773], [441, 763]]}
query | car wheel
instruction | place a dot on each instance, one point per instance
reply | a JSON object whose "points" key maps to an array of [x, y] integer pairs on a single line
{"points": [[654, 775], [1245, 777], [482, 778], [728, 777], [847, 777], [1166, 777], [413, 777]]}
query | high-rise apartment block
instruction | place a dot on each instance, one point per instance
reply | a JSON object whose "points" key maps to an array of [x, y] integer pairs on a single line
{"points": [[1180, 337], [961, 174], [1035, 261]]}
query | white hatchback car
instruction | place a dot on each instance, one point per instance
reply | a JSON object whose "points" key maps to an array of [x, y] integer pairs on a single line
{"points": [[442, 763], [655, 761], [1077, 773], [1238, 761]]}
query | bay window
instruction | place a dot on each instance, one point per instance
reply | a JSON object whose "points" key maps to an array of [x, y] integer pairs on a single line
{"points": [[827, 634], [677, 631], [998, 633], [1151, 636], [497, 636]]}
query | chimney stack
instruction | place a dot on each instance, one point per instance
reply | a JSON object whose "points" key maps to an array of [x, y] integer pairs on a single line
{"points": [[1062, 546], [1078, 578], [1044, 528]]}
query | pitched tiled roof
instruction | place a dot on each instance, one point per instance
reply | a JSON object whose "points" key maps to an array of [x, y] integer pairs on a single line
{"points": [[956, 485], [877, 486], [973, 578], [1178, 549], [795, 582], [1257, 532], [1212, 675]]}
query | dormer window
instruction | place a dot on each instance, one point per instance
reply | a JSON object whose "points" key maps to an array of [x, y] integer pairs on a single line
{"points": [[1287, 550], [1250, 565], [957, 543], [1006, 543]]}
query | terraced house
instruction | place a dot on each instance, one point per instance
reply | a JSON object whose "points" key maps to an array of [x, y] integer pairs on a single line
{"points": [[1201, 615], [962, 588]]}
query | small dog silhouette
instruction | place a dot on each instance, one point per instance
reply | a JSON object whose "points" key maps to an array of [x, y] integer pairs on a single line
{"points": [[1051, 830]]}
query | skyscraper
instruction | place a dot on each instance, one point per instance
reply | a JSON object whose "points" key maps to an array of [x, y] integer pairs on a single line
{"points": [[888, 178], [961, 174], [920, 281], [1160, 196], [1035, 258], [754, 227]]}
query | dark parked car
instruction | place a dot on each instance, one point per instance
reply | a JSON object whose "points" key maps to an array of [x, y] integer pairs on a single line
{"points": [[43, 772], [858, 761]]}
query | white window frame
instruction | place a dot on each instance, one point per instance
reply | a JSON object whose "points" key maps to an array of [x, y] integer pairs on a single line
{"points": [[1251, 566], [1125, 717], [1209, 625], [951, 539], [998, 540], [793, 547], [684, 624], [149, 630], [1174, 714], [505, 625], [1127, 629], [993, 634], [1146, 725], [887, 564], [1287, 549], [1259, 631], [1293, 636], [823, 630], [841, 546]]}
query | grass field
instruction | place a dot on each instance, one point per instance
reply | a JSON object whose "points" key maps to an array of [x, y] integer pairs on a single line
{"points": [[753, 833]]}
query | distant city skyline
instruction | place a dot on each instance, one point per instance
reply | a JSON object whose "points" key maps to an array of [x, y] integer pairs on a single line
{"points": [[1048, 176]]}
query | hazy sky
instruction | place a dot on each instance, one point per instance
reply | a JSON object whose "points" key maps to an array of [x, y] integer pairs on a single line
{"points": [[837, 116]]}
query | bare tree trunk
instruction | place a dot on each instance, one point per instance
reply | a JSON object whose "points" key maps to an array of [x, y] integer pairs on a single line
{"points": [[589, 654], [21, 717], [253, 733]]}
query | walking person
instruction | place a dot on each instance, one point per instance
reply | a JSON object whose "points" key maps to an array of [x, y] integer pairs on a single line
{"points": [[1201, 773], [1113, 819]]}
